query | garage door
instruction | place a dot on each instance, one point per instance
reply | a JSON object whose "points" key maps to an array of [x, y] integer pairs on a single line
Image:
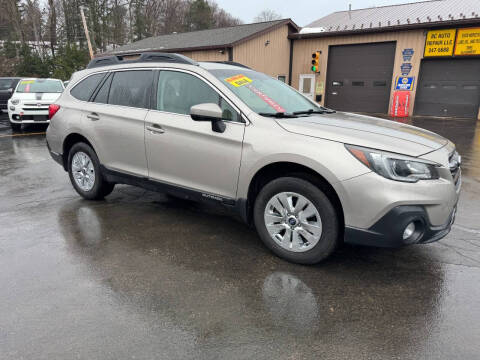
{"points": [[449, 87], [359, 77]]}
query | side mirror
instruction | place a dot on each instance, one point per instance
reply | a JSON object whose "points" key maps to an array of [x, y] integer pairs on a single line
{"points": [[209, 112], [10, 91]]}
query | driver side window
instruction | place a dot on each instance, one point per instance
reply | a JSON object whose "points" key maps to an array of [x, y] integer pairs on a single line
{"points": [[178, 92]]}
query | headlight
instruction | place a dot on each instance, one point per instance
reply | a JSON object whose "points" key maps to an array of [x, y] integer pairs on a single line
{"points": [[15, 101], [393, 166]]}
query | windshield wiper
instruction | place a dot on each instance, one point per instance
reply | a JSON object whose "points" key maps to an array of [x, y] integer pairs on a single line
{"points": [[311, 111], [279, 115]]}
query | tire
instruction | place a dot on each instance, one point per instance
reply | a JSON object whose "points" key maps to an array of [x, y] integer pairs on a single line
{"points": [[311, 210], [16, 127], [82, 161]]}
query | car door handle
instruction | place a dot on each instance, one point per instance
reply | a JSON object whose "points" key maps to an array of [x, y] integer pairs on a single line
{"points": [[93, 116], [155, 129]]}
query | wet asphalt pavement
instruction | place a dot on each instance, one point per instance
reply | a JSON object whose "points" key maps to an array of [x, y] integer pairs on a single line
{"points": [[143, 276]]}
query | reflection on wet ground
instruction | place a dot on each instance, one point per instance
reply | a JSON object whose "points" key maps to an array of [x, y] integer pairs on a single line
{"points": [[145, 276]]}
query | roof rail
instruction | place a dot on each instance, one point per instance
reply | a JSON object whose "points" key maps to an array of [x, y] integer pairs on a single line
{"points": [[229, 63], [156, 57]]}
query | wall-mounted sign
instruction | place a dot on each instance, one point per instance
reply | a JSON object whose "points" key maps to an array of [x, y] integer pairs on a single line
{"points": [[468, 42], [407, 54], [440, 42], [406, 68], [404, 83]]}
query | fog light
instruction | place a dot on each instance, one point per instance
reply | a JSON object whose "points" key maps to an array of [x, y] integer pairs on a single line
{"points": [[12, 108], [409, 230]]}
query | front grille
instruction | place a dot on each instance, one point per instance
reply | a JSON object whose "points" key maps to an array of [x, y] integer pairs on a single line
{"points": [[36, 104], [35, 109]]}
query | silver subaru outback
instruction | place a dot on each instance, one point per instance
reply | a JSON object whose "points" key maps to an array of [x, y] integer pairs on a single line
{"points": [[307, 177]]}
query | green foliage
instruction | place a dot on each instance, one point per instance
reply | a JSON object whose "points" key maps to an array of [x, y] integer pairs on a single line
{"points": [[9, 50], [68, 59], [200, 15], [31, 64]]}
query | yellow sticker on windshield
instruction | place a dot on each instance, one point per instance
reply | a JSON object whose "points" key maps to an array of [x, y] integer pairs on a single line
{"points": [[238, 80], [25, 82]]}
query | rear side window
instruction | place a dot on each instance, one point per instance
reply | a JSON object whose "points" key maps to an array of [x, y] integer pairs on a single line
{"points": [[102, 94], [131, 88], [84, 89]]}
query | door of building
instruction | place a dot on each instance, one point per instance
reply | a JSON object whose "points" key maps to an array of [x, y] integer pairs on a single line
{"points": [[448, 87], [359, 77], [307, 85]]}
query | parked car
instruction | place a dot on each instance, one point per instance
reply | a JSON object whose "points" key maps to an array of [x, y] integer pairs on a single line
{"points": [[31, 99], [307, 177], [7, 85]]}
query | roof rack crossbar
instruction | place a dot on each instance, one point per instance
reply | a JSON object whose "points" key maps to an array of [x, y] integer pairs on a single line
{"points": [[150, 57]]}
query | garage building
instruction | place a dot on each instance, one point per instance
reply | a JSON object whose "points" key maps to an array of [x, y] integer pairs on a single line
{"points": [[429, 51]]}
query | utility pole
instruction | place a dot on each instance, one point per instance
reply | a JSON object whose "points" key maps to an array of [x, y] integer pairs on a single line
{"points": [[86, 32]]}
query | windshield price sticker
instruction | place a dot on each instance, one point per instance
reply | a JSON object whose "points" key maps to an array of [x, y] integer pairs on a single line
{"points": [[26, 82], [277, 107], [238, 80]]}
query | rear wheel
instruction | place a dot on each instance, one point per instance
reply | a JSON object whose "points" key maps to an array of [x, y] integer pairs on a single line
{"points": [[85, 174], [296, 220]]}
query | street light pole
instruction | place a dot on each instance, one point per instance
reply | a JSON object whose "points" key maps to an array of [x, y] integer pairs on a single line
{"points": [[86, 32]]}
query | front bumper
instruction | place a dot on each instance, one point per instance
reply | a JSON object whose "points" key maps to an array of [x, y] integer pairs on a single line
{"points": [[20, 116], [388, 231]]}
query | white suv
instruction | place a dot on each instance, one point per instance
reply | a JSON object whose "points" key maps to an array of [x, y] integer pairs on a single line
{"points": [[30, 101], [307, 177]]}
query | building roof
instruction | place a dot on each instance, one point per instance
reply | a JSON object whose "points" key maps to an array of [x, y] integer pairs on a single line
{"points": [[419, 14], [203, 39]]}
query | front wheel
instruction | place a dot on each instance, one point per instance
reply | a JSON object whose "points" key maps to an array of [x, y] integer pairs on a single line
{"points": [[296, 220], [85, 174]]}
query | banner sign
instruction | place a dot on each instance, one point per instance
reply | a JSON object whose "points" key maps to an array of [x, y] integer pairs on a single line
{"points": [[404, 83], [407, 54], [440, 43], [468, 42], [406, 68]]}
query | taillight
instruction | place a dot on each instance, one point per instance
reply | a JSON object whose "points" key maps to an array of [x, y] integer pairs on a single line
{"points": [[52, 110]]}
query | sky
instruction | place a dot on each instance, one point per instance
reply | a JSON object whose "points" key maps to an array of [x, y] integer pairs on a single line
{"points": [[303, 12]]}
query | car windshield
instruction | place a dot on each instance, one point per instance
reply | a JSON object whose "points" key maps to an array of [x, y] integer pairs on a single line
{"points": [[263, 94], [40, 86], [5, 84]]}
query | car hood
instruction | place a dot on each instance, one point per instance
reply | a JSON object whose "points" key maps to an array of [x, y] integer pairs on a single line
{"points": [[37, 97], [366, 131]]}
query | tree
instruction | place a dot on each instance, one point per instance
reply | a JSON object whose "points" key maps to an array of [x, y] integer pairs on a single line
{"points": [[52, 25], [267, 15], [69, 58], [221, 18], [46, 37], [199, 16], [32, 64]]}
